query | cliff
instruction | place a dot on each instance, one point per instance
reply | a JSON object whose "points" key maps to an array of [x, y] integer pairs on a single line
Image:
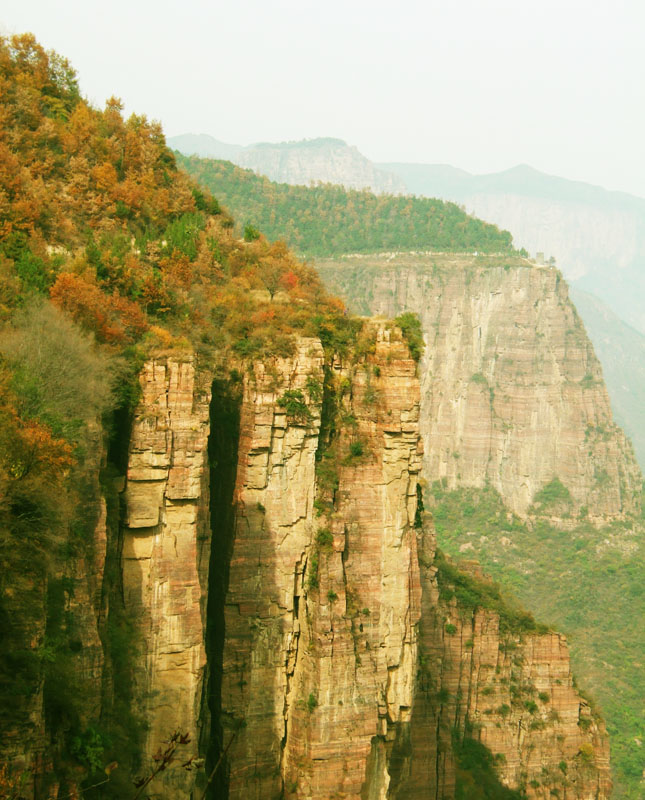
{"points": [[215, 577], [320, 643], [336, 657], [506, 683], [621, 351], [166, 551], [334, 669], [512, 393], [596, 236]]}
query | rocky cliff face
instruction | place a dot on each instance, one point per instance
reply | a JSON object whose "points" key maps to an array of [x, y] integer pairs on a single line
{"points": [[327, 160], [333, 661], [321, 608], [332, 669], [483, 678], [166, 548], [597, 236], [512, 393]]}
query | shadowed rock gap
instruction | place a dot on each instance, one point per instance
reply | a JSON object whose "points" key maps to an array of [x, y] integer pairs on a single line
{"points": [[223, 445]]}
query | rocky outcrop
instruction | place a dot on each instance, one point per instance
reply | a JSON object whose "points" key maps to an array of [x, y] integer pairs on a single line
{"points": [[345, 672], [512, 393], [481, 679], [326, 160], [321, 609], [333, 661], [166, 546]]}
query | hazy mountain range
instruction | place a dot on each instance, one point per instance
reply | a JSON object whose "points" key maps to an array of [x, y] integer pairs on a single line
{"points": [[325, 159], [596, 236]]}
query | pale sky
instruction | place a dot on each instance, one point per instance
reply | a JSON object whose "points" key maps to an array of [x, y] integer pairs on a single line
{"points": [[479, 84]]}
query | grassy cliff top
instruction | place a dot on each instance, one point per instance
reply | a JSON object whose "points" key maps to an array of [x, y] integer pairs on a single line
{"points": [[327, 220]]}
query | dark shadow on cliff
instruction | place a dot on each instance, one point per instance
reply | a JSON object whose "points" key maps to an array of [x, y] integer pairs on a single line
{"points": [[223, 446]]}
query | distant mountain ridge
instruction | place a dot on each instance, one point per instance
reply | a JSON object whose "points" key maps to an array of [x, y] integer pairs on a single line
{"points": [[323, 159], [201, 144], [523, 178], [596, 236]]}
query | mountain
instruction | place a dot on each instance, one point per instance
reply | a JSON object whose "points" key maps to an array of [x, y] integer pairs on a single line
{"points": [[596, 236], [325, 160], [598, 240], [328, 220], [529, 473], [202, 144], [217, 575]]}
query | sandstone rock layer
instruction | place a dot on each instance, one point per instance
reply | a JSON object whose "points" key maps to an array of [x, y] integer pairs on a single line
{"points": [[165, 553], [329, 664]]}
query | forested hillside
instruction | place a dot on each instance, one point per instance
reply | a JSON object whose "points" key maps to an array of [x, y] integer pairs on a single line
{"points": [[97, 217], [326, 220]]}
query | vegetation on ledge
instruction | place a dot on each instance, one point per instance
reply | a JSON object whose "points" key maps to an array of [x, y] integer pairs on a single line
{"points": [[473, 593], [555, 572]]}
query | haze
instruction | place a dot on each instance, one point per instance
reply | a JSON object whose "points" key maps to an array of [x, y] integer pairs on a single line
{"points": [[481, 86]]}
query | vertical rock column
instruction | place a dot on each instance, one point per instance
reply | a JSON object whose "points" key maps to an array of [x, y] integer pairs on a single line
{"points": [[352, 684], [274, 509], [165, 553], [323, 600]]}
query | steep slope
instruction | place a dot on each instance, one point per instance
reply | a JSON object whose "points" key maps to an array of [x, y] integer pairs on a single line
{"points": [[212, 546], [330, 220], [621, 351], [320, 222], [556, 570], [325, 593], [329, 610], [512, 391]]}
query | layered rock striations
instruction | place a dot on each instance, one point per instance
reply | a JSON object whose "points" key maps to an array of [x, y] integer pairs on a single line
{"points": [[339, 668], [482, 678], [324, 596], [333, 661], [512, 393], [165, 553]]}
